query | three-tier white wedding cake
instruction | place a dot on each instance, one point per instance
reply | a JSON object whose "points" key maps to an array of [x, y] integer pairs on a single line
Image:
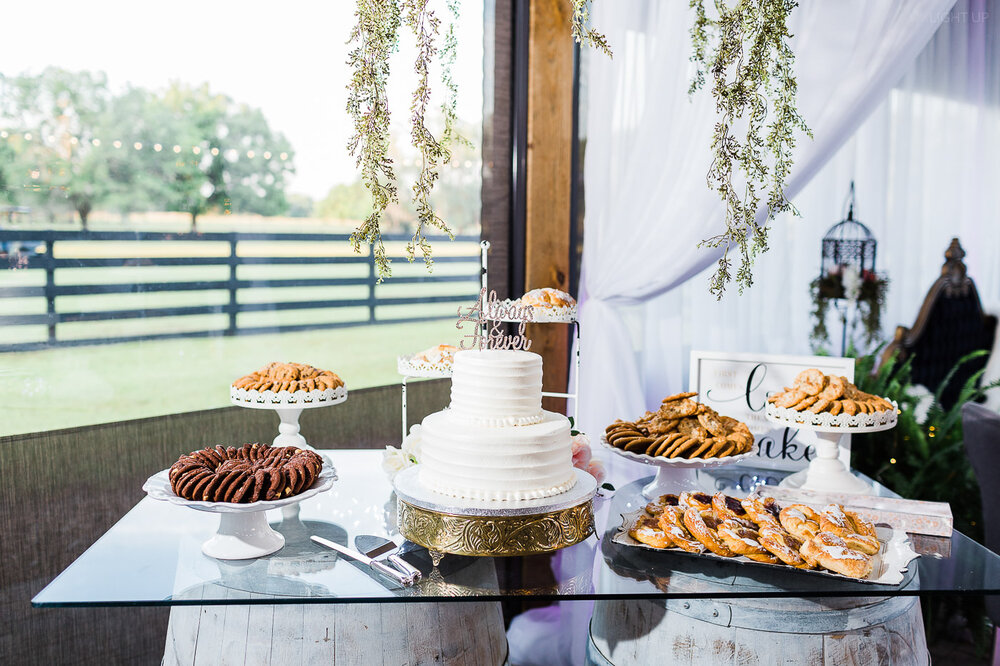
{"points": [[495, 442]]}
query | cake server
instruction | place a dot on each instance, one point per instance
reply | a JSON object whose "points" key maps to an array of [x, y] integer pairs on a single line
{"points": [[374, 565], [373, 546]]}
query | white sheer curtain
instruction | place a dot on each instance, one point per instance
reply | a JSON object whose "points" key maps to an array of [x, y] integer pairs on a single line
{"points": [[648, 206], [926, 169], [647, 202]]}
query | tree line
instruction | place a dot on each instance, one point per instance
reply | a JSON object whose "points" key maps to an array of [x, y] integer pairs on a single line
{"points": [[68, 140]]}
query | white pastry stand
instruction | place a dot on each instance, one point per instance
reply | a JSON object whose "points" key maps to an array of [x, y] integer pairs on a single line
{"points": [[675, 474], [288, 407], [826, 472], [243, 530]]}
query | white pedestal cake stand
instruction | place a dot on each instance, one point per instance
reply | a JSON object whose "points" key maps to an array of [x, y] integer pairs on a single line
{"points": [[674, 474], [243, 530], [489, 528], [288, 406], [826, 472]]}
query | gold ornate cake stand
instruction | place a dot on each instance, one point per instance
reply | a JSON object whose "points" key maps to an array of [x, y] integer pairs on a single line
{"points": [[445, 524]]}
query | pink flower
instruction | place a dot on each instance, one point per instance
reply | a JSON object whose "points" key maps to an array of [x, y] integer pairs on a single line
{"points": [[596, 470], [581, 451]]}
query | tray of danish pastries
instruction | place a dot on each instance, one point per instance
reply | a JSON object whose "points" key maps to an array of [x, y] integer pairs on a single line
{"points": [[822, 541]]}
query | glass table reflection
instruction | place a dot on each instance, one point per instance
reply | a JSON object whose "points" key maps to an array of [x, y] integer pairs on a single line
{"points": [[152, 556]]}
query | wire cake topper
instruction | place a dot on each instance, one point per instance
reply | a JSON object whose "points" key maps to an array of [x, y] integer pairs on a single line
{"points": [[488, 315]]}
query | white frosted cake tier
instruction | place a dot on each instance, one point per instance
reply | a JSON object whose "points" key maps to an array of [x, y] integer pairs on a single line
{"points": [[489, 463], [497, 388]]}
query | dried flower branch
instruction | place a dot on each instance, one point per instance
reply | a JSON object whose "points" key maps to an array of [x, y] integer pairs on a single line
{"points": [[751, 69], [376, 34], [583, 33]]}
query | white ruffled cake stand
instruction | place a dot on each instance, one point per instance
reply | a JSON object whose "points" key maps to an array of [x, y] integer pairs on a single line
{"points": [[243, 530], [488, 528], [674, 473], [826, 472], [288, 406]]}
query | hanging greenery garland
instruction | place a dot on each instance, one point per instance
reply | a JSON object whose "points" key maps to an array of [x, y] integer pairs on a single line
{"points": [[868, 296], [375, 37], [751, 70]]}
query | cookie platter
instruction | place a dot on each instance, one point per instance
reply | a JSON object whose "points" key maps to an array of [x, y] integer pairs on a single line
{"points": [[680, 463], [834, 423], [890, 565], [243, 531]]}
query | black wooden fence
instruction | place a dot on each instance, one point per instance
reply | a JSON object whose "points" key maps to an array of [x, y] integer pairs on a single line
{"points": [[37, 250]]}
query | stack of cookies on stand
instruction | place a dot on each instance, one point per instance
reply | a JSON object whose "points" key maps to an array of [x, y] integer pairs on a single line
{"points": [[816, 392], [289, 377], [682, 428], [756, 528]]}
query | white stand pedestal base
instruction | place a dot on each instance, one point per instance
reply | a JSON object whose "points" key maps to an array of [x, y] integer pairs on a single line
{"points": [[826, 472], [670, 481], [243, 536], [288, 429]]}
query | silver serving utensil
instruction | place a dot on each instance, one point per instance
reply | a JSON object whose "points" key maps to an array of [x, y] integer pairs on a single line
{"points": [[374, 565], [373, 546]]}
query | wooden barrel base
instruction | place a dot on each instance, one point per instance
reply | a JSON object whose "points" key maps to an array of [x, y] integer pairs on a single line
{"points": [[884, 631], [469, 633]]}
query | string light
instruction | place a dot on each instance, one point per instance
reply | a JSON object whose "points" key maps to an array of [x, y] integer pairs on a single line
{"points": [[892, 461], [231, 155]]}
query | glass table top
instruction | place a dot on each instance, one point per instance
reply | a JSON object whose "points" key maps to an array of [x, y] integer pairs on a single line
{"points": [[152, 556]]}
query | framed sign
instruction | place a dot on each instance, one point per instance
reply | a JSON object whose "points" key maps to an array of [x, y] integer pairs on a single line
{"points": [[737, 385]]}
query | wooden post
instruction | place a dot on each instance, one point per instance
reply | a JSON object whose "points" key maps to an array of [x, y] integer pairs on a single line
{"points": [[50, 287], [233, 285], [549, 160]]}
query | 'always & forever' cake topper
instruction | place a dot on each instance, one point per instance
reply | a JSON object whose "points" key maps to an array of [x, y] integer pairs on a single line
{"points": [[488, 315]]}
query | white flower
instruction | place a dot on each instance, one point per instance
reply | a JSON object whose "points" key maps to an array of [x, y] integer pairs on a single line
{"points": [[923, 403], [851, 279], [395, 461], [412, 443]]}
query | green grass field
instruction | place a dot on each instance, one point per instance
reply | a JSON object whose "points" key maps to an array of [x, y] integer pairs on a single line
{"points": [[70, 386]]}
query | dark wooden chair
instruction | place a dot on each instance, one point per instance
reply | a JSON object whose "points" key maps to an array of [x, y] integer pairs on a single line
{"points": [[951, 323]]}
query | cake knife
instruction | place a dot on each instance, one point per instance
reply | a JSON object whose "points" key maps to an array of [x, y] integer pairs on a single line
{"points": [[374, 565], [373, 546]]}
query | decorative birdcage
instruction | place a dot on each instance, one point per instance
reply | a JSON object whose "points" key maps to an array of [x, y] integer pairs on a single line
{"points": [[848, 258], [848, 277]]}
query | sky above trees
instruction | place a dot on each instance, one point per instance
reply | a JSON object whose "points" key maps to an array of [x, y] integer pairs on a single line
{"points": [[286, 59]]}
